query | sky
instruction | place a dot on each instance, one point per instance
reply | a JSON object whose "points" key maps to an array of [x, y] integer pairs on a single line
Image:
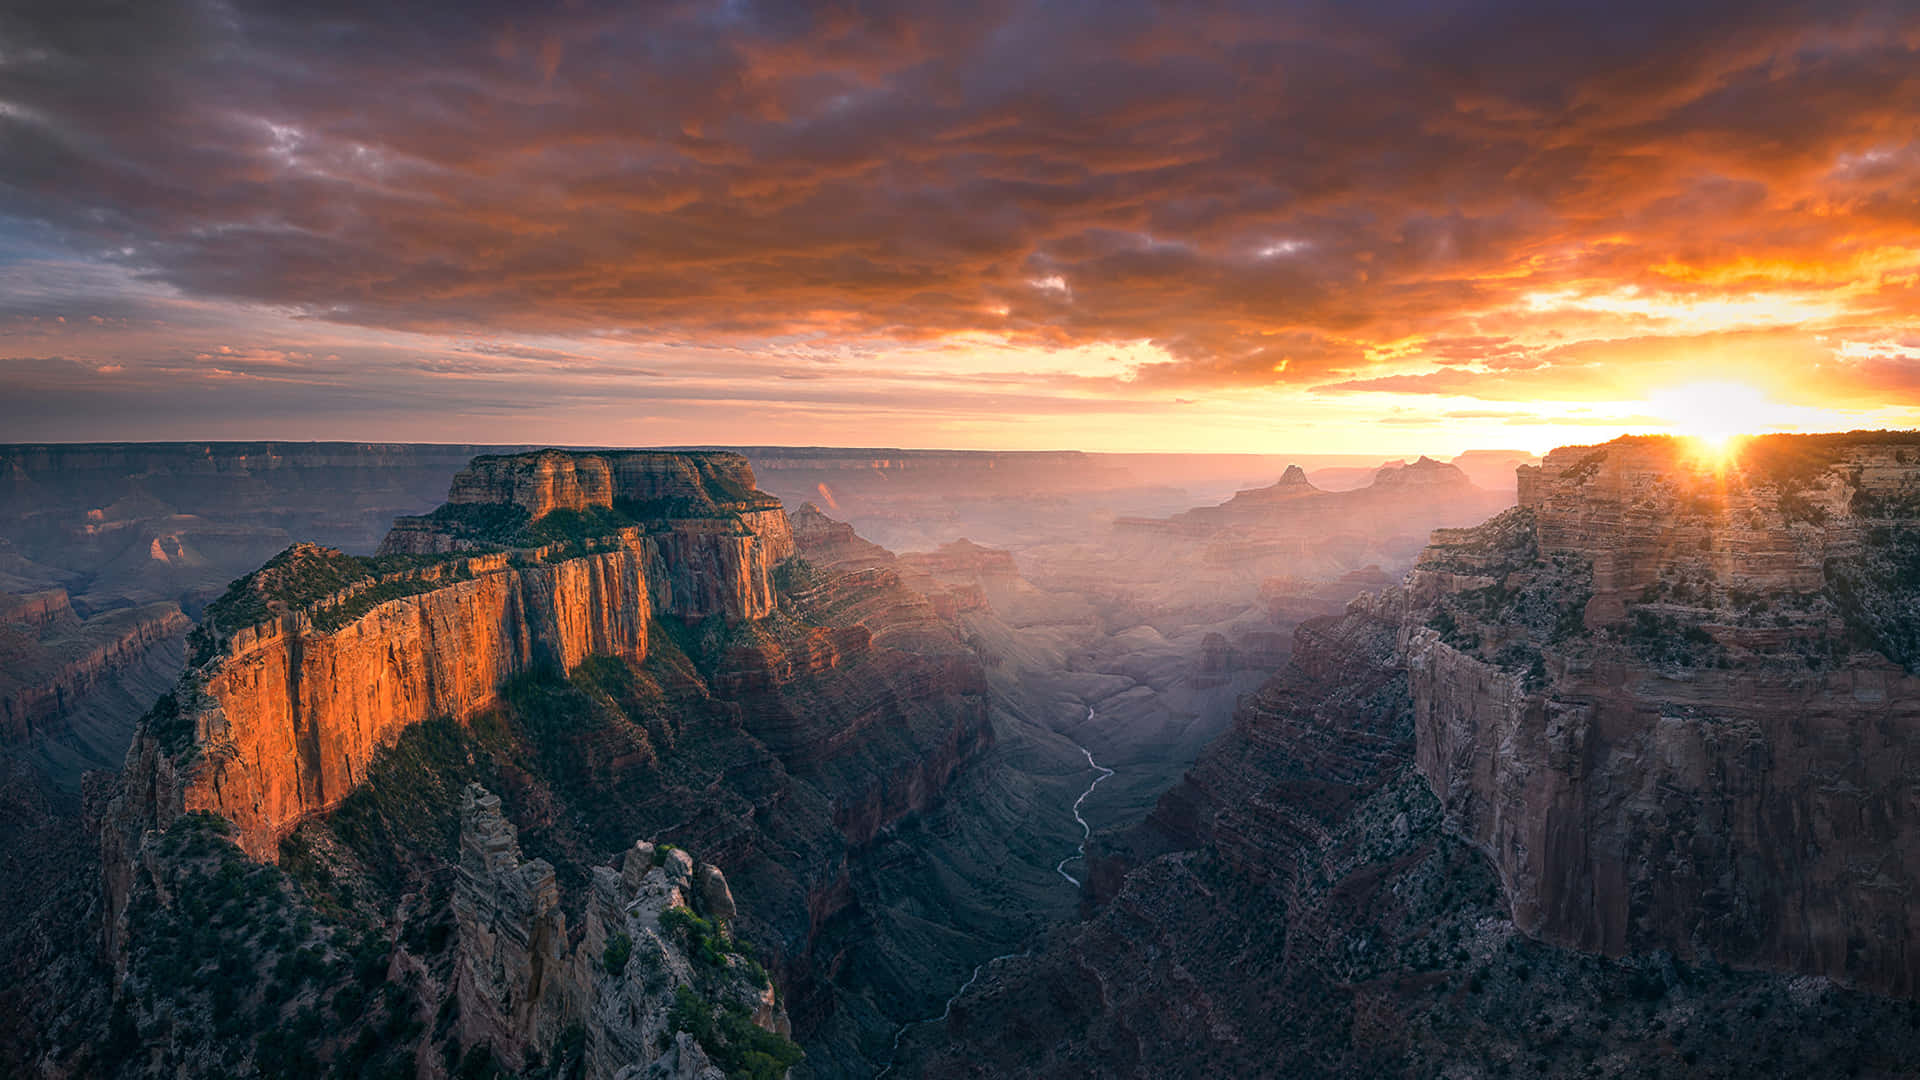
{"points": [[1343, 227]]}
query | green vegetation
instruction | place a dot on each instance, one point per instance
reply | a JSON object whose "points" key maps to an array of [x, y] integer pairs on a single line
{"points": [[1541, 597], [1443, 622], [329, 619], [572, 527], [581, 746], [797, 575], [1585, 467], [1795, 462], [294, 578], [615, 750], [742, 1049], [170, 725], [670, 507], [486, 524], [619, 950], [300, 577], [707, 941], [236, 957], [1877, 592], [1666, 639]]}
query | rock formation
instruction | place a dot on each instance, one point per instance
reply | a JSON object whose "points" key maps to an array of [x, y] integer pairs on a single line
{"points": [[597, 670], [717, 537], [284, 719], [328, 658], [1295, 528], [1620, 782], [514, 988], [656, 931], [1662, 695]]}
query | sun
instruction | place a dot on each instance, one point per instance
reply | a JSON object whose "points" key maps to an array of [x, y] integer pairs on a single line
{"points": [[1715, 415]]}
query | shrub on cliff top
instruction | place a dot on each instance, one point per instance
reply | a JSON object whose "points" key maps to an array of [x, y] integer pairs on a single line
{"points": [[742, 1049], [292, 579]]}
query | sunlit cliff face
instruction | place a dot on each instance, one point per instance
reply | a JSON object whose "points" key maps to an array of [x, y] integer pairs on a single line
{"points": [[1383, 227]]}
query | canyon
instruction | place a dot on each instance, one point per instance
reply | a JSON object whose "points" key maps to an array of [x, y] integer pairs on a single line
{"points": [[1607, 779], [617, 763], [840, 698]]}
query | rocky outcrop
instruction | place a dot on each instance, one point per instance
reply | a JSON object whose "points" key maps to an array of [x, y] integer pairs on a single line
{"points": [[1302, 905], [285, 721], [962, 558], [37, 612], [513, 987], [1660, 713], [695, 483], [1659, 696], [718, 537], [656, 945], [832, 543], [313, 664], [785, 743]]}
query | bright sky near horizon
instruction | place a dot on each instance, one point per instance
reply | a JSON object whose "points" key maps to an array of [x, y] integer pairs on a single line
{"points": [[1315, 227]]}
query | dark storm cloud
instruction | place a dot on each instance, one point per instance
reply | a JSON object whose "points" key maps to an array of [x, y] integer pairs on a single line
{"points": [[1266, 191]]}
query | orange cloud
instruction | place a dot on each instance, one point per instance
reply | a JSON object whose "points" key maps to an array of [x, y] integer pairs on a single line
{"points": [[1320, 200]]}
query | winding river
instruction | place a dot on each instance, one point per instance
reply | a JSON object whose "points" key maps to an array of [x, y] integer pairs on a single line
{"points": [[1086, 830], [1086, 833]]}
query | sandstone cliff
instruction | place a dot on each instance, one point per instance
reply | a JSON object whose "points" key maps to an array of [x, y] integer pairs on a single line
{"points": [[284, 719], [311, 665], [717, 536], [1666, 696], [578, 663], [1300, 906], [1619, 783]]}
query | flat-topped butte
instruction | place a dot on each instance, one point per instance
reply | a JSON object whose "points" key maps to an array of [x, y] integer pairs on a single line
{"points": [[549, 496]]}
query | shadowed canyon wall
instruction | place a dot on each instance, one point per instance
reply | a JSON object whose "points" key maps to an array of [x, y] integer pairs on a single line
{"points": [[1659, 697]]}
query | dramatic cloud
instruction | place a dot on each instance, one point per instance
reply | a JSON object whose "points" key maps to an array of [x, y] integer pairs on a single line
{"points": [[1062, 208]]}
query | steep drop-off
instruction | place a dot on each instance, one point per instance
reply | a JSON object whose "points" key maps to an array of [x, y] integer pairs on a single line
{"points": [[1618, 784], [1663, 696], [597, 668], [285, 721]]}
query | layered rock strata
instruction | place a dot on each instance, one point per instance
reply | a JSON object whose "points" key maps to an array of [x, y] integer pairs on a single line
{"points": [[51, 659], [1296, 529], [718, 538], [281, 714], [1619, 783], [1299, 907], [285, 720], [782, 742], [514, 983], [1659, 696]]}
